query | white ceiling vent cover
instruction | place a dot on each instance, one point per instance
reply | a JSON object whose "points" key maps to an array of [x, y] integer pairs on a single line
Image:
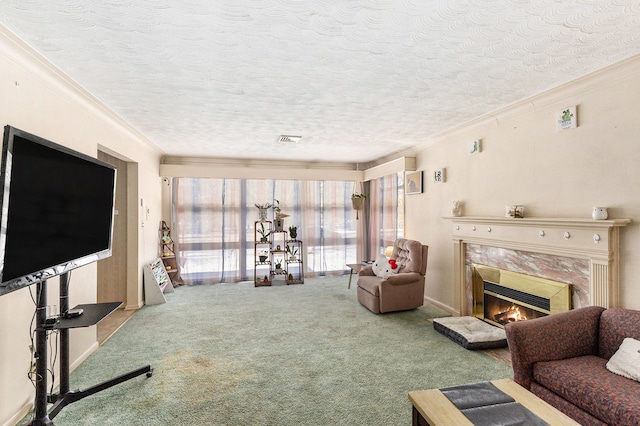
{"points": [[289, 139]]}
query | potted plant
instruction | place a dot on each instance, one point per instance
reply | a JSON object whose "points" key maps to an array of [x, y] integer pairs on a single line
{"points": [[278, 266], [292, 252], [293, 232], [262, 210], [264, 233], [279, 216], [264, 254], [357, 201]]}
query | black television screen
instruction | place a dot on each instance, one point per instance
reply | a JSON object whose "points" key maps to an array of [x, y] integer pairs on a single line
{"points": [[56, 209]]}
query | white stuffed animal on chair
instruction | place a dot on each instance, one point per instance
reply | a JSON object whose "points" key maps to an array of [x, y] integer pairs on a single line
{"points": [[384, 267]]}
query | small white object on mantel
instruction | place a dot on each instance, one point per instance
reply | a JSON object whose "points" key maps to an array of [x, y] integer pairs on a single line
{"points": [[456, 209], [599, 213]]}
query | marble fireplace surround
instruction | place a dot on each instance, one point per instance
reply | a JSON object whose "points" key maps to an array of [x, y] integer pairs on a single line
{"points": [[581, 252]]}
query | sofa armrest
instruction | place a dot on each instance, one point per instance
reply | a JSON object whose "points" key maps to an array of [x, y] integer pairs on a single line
{"points": [[401, 278], [366, 271], [554, 337]]}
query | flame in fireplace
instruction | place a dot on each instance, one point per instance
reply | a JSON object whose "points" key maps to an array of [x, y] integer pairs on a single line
{"points": [[512, 314]]}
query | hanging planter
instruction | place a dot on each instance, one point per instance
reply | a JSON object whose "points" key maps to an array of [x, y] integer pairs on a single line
{"points": [[357, 200], [357, 203]]}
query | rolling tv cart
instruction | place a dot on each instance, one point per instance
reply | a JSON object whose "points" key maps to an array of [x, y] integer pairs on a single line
{"points": [[92, 314]]}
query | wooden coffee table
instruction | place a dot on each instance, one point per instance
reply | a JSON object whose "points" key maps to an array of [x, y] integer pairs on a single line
{"points": [[431, 407]]}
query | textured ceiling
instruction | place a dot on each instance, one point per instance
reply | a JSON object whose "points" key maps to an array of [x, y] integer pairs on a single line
{"points": [[358, 80]]}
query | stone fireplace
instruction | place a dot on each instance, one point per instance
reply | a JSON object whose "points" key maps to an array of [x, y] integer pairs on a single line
{"points": [[501, 297], [581, 255]]}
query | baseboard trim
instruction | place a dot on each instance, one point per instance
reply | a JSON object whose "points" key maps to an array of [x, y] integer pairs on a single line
{"points": [[84, 356], [13, 421], [134, 307], [442, 306], [27, 408]]}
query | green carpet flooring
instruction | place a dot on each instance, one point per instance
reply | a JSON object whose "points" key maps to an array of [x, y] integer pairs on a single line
{"points": [[234, 354]]}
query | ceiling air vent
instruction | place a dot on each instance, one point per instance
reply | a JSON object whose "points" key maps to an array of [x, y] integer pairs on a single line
{"points": [[289, 139]]}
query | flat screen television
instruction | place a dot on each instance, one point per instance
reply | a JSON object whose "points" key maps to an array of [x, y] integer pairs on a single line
{"points": [[56, 209]]}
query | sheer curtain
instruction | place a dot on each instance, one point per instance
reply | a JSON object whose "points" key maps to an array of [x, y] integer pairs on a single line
{"points": [[214, 225], [385, 214]]}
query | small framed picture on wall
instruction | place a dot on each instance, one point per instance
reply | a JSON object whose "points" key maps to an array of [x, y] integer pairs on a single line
{"points": [[413, 183]]}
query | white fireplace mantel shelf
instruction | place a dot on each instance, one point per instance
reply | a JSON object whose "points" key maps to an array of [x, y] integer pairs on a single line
{"points": [[530, 221], [595, 240], [583, 238]]}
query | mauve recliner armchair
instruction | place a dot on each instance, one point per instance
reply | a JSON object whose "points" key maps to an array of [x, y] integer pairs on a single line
{"points": [[401, 291]]}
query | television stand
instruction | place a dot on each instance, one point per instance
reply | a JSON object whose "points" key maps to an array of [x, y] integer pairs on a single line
{"points": [[61, 400], [92, 314]]}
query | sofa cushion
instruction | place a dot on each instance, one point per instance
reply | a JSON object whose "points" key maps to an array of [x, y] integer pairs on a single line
{"points": [[615, 325], [571, 410], [626, 361], [586, 382]]}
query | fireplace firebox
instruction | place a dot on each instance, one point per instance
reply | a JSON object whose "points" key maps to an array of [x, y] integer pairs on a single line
{"points": [[501, 297]]}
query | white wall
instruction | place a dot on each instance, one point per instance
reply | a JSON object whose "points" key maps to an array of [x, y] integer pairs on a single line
{"points": [[39, 99], [525, 160]]}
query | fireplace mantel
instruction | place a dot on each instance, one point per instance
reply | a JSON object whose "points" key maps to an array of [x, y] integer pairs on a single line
{"points": [[594, 240]]}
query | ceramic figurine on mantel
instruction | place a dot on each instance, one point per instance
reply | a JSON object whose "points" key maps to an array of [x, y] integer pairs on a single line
{"points": [[456, 209], [599, 213]]}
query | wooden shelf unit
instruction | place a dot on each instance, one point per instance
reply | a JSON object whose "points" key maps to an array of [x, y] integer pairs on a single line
{"points": [[262, 247], [167, 252], [275, 249], [294, 261]]}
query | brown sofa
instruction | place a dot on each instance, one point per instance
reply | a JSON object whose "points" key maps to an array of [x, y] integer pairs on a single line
{"points": [[401, 291], [562, 358]]}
